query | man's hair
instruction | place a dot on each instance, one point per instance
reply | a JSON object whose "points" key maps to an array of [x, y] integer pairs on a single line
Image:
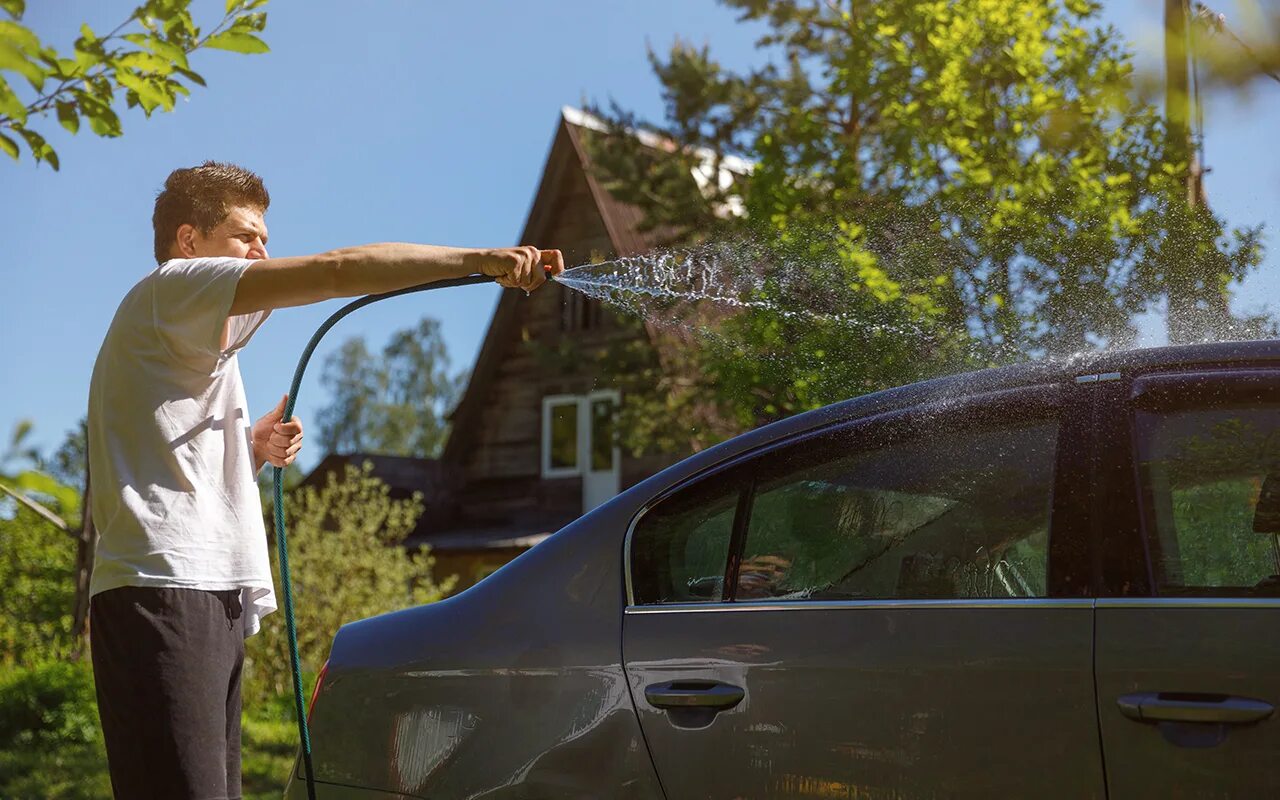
{"points": [[203, 196]]}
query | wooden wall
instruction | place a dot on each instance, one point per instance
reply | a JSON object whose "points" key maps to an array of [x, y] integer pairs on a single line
{"points": [[507, 438]]}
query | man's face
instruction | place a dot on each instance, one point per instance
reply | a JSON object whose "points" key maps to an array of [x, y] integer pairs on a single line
{"points": [[243, 234]]}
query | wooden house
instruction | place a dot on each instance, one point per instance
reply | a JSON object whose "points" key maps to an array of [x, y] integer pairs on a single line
{"points": [[532, 448]]}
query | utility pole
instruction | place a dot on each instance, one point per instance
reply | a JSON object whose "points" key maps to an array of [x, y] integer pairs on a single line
{"points": [[1198, 303], [1177, 94]]}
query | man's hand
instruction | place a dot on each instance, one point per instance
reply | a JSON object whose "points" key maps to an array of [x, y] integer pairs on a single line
{"points": [[275, 440], [519, 267]]}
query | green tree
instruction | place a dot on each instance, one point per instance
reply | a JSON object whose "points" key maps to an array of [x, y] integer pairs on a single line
{"points": [[348, 561], [145, 58], [393, 403], [970, 180]]}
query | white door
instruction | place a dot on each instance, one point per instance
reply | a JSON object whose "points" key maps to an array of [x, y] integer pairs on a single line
{"points": [[577, 439], [599, 457]]}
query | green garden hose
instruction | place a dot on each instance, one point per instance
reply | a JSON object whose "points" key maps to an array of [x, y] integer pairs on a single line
{"points": [[282, 544]]}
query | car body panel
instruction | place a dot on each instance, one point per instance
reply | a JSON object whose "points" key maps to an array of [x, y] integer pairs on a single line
{"points": [[875, 700], [1172, 645], [1209, 647], [514, 689]]}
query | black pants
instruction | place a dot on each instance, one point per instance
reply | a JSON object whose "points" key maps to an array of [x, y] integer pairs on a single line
{"points": [[166, 663]]}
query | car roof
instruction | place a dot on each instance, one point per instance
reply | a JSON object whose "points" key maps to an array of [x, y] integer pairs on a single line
{"points": [[1265, 352]]}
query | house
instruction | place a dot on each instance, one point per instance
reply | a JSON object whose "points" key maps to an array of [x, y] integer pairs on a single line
{"points": [[531, 448]]}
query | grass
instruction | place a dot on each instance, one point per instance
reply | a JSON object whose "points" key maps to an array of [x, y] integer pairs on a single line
{"points": [[51, 746], [269, 742]]}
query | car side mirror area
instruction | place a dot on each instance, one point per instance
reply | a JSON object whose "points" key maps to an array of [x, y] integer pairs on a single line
{"points": [[1266, 515]]}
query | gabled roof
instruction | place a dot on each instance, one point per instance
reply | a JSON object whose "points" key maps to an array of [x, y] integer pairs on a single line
{"points": [[622, 222]]}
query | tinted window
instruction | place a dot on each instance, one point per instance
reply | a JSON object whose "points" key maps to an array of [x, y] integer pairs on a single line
{"points": [[1205, 476], [680, 547], [951, 514]]}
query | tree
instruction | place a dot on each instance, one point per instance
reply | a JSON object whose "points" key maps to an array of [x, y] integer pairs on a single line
{"points": [[935, 184], [145, 58], [393, 403], [348, 561]]}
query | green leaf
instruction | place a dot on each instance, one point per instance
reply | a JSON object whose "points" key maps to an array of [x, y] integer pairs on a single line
{"points": [[238, 43], [232, 5], [39, 147], [14, 8], [102, 120], [14, 60], [10, 105], [68, 117], [166, 49], [19, 37], [194, 77], [9, 146], [145, 62], [149, 95], [250, 22]]}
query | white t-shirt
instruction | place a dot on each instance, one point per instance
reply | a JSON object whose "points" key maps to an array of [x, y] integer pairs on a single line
{"points": [[173, 490]]}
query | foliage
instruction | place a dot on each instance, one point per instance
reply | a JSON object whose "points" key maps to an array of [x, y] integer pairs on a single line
{"points": [[392, 404], [37, 565], [19, 451], [970, 178], [69, 463], [348, 562], [146, 58], [50, 743]]}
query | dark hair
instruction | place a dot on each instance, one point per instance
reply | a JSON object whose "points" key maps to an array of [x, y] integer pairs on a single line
{"points": [[203, 196]]}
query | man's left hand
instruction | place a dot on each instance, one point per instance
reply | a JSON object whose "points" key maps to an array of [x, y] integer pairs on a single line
{"points": [[276, 441]]}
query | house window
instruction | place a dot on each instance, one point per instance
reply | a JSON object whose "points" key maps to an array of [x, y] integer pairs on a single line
{"points": [[578, 434], [560, 435], [578, 312]]}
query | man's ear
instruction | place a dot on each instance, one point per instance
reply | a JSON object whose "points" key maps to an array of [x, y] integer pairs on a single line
{"points": [[185, 240]]}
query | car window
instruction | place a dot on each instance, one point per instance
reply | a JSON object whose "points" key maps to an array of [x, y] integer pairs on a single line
{"points": [[938, 514], [680, 547], [1211, 481]]}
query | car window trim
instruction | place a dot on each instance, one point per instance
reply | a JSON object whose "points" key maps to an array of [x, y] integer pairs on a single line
{"points": [[1046, 398]]}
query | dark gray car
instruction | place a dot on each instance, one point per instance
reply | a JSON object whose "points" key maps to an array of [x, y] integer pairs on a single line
{"points": [[1044, 580]]}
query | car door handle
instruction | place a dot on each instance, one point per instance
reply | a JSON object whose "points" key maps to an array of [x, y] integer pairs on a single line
{"points": [[1193, 707], [693, 694]]}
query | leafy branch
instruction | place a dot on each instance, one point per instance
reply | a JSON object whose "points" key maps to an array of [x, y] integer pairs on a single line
{"points": [[145, 58]]}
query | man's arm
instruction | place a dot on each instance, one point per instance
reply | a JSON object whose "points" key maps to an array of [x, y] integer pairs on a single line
{"points": [[375, 268]]}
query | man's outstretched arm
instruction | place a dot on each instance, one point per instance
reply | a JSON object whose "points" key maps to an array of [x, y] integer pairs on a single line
{"points": [[375, 268]]}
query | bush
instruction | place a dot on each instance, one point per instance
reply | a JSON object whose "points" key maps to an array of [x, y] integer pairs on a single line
{"points": [[50, 742], [37, 569], [348, 562]]}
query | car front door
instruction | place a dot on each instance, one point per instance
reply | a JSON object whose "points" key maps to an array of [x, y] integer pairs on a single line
{"points": [[1188, 659], [889, 609]]}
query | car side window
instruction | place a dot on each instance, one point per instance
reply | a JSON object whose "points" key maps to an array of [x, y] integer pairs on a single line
{"points": [[680, 546], [1211, 494], [942, 513]]}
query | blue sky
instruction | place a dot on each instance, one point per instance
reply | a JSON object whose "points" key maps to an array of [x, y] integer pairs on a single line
{"points": [[404, 121]]}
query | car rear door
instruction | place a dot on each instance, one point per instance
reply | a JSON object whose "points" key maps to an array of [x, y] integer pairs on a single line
{"points": [[1188, 645], [894, 608]]}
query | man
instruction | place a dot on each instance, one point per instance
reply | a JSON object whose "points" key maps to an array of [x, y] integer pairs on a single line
{"points": [[181, 574]]}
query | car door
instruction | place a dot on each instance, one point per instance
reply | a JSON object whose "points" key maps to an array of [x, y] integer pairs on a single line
{"points": [[891, 608], [1188, 650]]}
